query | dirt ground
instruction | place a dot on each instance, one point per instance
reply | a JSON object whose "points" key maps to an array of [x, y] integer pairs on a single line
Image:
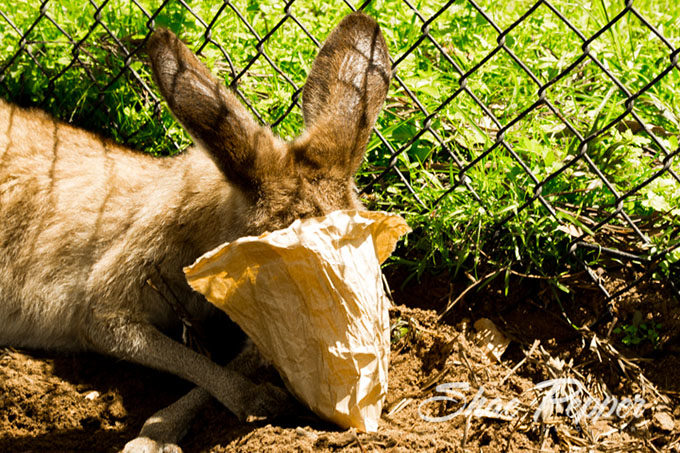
{"points": [[86, 402]]}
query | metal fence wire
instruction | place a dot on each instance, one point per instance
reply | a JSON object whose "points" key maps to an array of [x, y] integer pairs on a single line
{"points": [[453, 131]]}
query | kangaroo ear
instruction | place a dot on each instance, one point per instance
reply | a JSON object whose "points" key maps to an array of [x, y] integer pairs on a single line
{"points": [[210, 112], [344, 93]]}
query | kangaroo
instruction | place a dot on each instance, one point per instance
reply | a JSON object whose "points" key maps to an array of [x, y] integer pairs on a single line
{"points": [[85, 223]]}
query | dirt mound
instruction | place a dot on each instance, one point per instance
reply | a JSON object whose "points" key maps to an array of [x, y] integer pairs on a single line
{"points": [[92, 403]]}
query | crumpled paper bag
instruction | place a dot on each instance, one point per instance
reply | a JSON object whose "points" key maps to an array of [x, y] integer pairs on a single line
{"points": [[311, 297]]}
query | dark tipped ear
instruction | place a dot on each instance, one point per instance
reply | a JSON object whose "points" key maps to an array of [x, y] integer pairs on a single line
{"points": [[209, 111], [344, 93]]}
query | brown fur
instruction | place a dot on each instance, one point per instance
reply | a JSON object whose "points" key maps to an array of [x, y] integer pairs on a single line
{"points": [[84, 222]]}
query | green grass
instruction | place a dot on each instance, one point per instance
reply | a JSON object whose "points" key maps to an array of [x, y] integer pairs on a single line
{"points": [[456, 232]]}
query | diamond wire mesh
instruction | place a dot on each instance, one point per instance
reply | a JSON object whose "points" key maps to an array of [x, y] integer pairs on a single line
{"points": [[77, 71]]}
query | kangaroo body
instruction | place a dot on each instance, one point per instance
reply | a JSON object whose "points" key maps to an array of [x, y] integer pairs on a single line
{"points": [[86, 223], [87, 227]]}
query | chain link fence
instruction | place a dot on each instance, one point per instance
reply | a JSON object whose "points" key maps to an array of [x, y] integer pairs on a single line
{"points": [[575, 122]]}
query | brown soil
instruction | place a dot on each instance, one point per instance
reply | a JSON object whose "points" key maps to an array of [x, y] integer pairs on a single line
{"points": [[86, 402]]}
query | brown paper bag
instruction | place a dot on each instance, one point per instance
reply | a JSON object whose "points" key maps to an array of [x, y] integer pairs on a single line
{"points": [[311, 297]]}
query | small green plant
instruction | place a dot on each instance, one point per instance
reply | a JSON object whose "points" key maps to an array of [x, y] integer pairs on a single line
{"points": [[399, 330], [633, 335]]}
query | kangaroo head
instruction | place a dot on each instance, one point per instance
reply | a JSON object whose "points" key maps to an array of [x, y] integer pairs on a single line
{"points": [[310, 176]]}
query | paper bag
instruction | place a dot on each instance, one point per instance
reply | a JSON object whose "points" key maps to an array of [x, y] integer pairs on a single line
{"points": [[311, 297]]}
